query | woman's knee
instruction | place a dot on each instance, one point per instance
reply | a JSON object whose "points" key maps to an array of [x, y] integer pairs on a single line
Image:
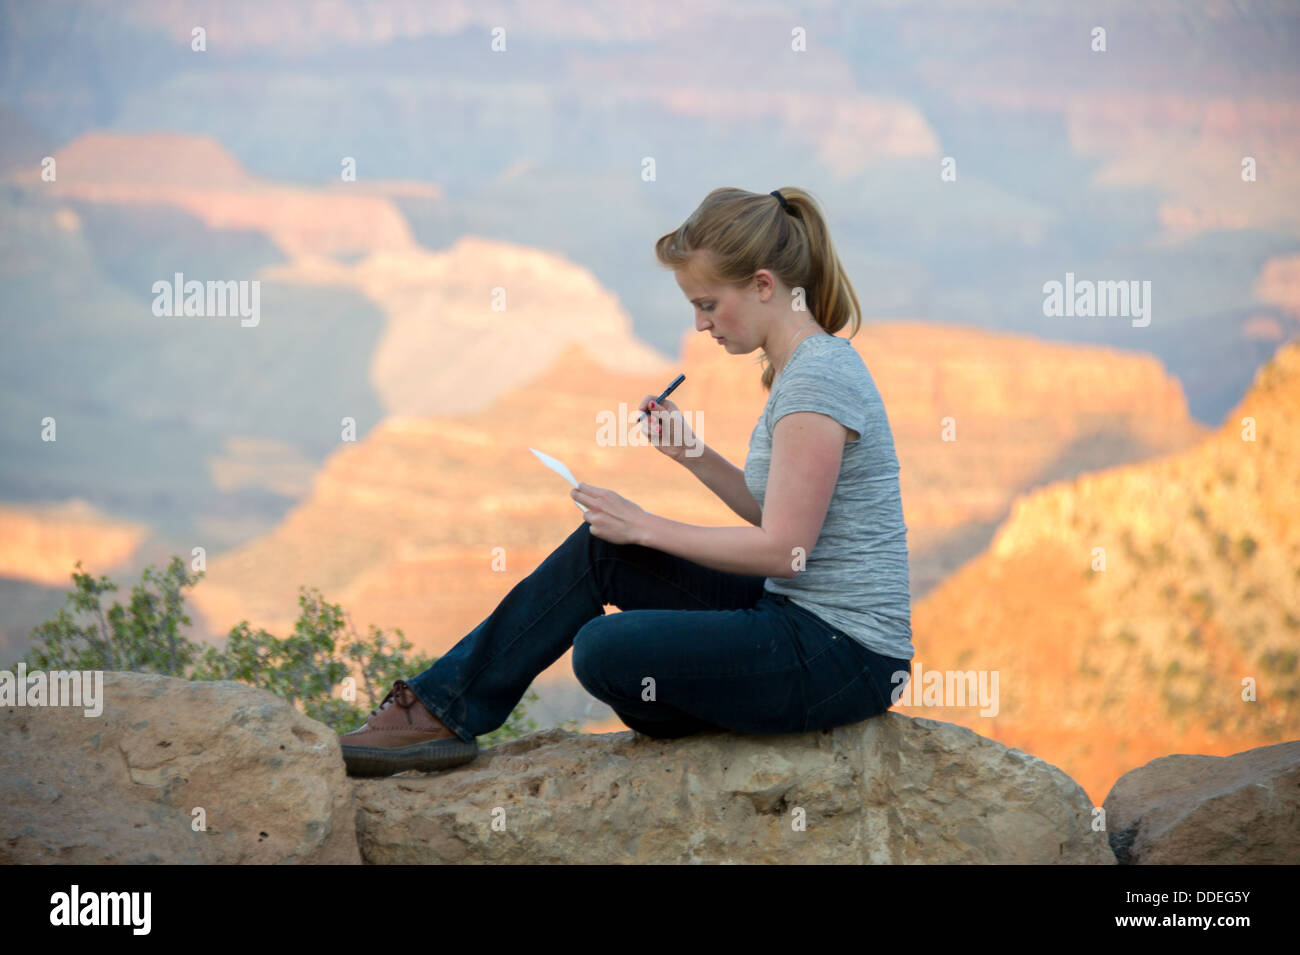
{"points": [[592, 648]]}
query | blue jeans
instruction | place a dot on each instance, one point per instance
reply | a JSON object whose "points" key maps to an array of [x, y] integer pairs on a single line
{"points": [[692, 649]]}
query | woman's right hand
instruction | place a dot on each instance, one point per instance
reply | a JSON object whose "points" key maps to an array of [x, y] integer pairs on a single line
{"points": [[666, 427]]}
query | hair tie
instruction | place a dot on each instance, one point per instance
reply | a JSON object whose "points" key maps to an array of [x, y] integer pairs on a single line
{"points": [[780, 198]]}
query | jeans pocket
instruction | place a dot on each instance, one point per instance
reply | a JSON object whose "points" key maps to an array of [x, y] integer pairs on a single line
{"points": [[851, 701], [864, 689], [839, 690], [811, 638]]}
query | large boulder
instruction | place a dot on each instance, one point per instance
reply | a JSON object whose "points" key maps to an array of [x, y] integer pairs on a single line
{"points": [[122, 787], [893, 789], [1205, 810]]}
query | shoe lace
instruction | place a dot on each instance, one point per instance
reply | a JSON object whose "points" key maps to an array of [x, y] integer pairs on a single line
{"points": [[402, 695]]}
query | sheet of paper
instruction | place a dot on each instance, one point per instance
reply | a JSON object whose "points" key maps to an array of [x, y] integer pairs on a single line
{"points": [[559, 468]]}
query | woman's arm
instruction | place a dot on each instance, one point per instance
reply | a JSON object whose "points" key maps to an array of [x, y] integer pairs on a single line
{"points": [[807, 449], [725, 480]]}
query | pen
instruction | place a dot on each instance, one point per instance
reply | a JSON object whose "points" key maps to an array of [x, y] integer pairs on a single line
{"points": [[667, 391]]}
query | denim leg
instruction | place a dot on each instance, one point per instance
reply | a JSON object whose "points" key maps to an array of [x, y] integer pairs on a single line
{"points": [[771, 668], [474, 686], [669, 673]]}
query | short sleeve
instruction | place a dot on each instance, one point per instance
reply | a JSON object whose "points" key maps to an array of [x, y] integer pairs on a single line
{"points": [[827, 387]]}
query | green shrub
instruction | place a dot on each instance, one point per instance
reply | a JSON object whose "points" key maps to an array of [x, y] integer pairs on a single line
{"points": [[305, 668], [1176, 705], [1279, 661], [1131, 548], [1206, 601], [143, 636]]}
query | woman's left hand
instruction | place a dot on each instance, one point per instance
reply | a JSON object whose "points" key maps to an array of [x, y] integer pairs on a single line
{"points": [[612, 517]]}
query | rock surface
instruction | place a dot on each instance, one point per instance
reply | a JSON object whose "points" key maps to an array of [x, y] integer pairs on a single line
{"points": [[893, 789], [121, 787], [1127, 605], [1206, 810]]}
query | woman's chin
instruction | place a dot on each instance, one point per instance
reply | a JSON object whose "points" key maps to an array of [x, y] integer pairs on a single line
{"points": [[727, 345]]}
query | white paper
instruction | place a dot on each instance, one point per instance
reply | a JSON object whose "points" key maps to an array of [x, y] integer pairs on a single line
{"points": [[558, 467]]}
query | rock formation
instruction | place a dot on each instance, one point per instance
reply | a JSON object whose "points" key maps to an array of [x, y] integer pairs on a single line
{"points": [[123, 787], [1132, 611], [887, 790], [1209, 810]]}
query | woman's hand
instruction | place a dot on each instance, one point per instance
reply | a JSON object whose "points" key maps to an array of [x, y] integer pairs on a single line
{"points": [[612, 517], [666, 427]]}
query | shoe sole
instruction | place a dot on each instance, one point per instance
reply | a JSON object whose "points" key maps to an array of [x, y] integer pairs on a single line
{"points": [[433, 755]]}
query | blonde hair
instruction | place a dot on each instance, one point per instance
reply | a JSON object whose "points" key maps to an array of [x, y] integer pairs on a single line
{"points": [[742, 232]]}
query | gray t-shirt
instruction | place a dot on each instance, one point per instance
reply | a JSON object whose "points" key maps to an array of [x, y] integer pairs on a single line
{"points": [[855, 579]]}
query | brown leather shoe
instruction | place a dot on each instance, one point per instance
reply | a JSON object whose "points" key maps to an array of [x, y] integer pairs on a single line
{"points": [[400, 735]]}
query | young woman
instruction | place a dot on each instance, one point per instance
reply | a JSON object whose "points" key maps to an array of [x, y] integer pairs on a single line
{"points": [[799, 621]]}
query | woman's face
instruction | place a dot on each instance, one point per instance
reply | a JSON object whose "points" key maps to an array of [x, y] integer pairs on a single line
{"points": [[722, 312]]}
